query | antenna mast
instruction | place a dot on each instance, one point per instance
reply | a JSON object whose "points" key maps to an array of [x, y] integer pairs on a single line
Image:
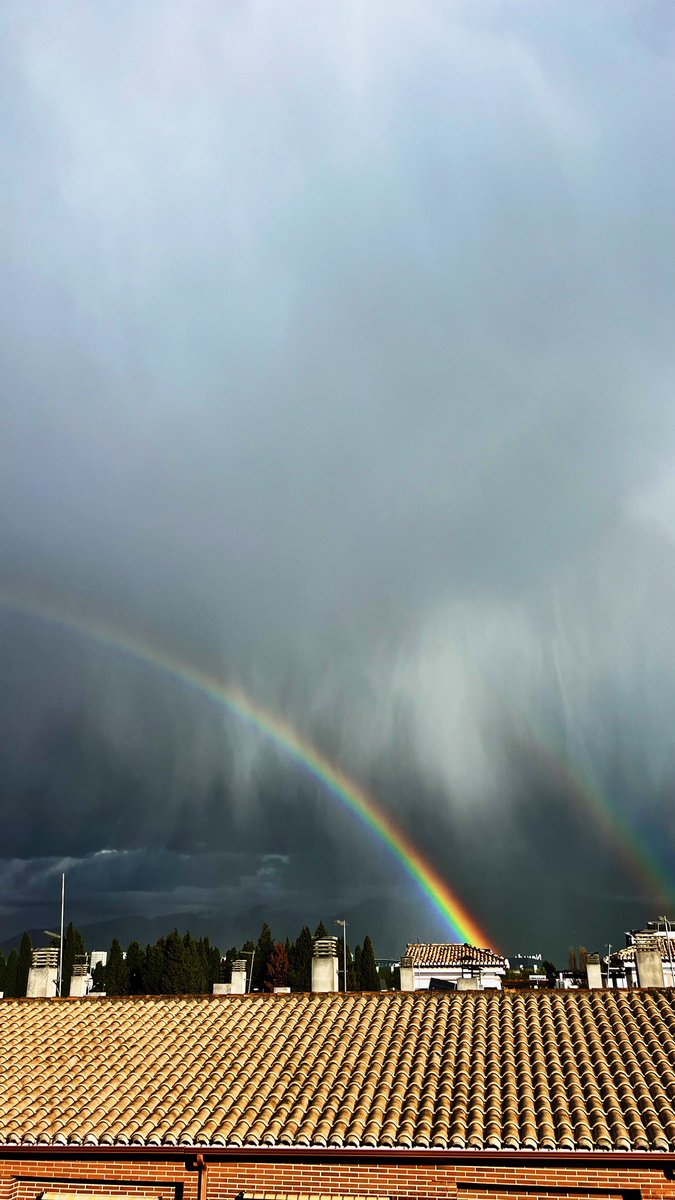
{"points": [[63, 899]]}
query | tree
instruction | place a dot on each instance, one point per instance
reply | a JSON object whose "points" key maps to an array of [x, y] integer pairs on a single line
{"points": [[263, 953], [321, 931], [178, 971], [550, 970], [301, 961], [352, 982], [3, 969], [135, 963], [152, 969], [98, 978], [116, 983], [278, 968], [10, 973], [209, 961], [23, 965], [358, 986], [370, 976], [390, 979]]}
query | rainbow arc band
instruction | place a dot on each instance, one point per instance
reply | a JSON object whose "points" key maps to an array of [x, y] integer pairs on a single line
{"points": [[459, 921]]}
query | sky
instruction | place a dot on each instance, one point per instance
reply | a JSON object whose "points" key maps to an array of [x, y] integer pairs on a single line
{"points": [[337, 361]]}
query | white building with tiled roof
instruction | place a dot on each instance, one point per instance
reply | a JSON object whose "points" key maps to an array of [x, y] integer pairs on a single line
{"points": [[622, 967], [425, 964]]}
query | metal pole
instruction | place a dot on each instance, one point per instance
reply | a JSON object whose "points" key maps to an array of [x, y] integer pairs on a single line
{"points": [[63, 899], [667, 925], [250, 974], [344, 952]]}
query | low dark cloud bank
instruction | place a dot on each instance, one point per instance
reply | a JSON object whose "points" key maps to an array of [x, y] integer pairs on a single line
{"points": [[337, 359]]}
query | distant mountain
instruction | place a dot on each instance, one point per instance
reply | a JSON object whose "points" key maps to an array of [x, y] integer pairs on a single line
{"points": [[388, 929]]}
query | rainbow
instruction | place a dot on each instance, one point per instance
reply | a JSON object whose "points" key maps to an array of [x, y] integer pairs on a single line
{"points": [[637, 857], [234, 700]]}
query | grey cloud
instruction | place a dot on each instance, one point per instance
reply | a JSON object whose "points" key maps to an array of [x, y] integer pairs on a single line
{"points": [[337, 358]]}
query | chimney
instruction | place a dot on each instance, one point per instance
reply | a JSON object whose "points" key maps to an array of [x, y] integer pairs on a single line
{"points": [[407, 974], [325, 965], [238, 985], [649, 967], [470, 983], [80, 976], [43, 972], [593, 971]]}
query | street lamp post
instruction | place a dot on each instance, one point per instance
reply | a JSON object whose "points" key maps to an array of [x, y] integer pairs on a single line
{"points": [[667, 925], [344, 952]]}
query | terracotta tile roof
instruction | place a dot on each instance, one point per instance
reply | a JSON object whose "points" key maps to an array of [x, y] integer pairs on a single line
{"points": [[627, 954], [451, 954], [537, 1070]]}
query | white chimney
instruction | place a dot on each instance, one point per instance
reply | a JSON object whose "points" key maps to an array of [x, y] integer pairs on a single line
{"points": [[593, 971], [238, 985], [325, 965], [43, 972], [407, 974]]}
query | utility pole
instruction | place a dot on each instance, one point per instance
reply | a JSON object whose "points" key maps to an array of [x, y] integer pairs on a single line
{"points": [[63, 901], [344, 952], [667, 927]]}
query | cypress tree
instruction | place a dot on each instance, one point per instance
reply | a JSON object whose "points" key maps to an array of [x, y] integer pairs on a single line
{"points": [[98, 977], [10, 974], [134, 965], [213, 965], [115, 971], [370, 976], [23, 965], [178, 968], [358, 985], [152, 968], [352, 985], [3, 970], [301, 961], [263, 954], [320, 931]]}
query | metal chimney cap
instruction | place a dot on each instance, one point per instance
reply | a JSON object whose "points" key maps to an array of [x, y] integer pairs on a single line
{"points": [[325, 947]]}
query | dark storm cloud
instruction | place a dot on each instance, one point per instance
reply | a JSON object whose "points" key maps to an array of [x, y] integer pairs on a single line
{"points": [[337, 356]]}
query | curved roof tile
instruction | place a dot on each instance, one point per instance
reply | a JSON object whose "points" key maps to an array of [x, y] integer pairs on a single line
{"points": [[541, 1070]]}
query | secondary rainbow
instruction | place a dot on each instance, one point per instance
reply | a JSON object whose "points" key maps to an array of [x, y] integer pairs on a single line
{"points": [[232, 698]]}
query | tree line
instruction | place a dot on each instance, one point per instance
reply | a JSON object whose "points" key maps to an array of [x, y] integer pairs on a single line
{"points": [[15, 967], [181, 964]]}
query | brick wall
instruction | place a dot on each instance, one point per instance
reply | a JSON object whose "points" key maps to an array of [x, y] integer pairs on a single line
{"points": [[155, 1177]]}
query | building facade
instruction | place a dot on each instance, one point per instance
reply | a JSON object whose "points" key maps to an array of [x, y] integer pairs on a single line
{"points": [[427, 965]]}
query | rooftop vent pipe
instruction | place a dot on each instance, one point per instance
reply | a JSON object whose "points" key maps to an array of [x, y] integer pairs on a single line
{"points": [[325, 965]]}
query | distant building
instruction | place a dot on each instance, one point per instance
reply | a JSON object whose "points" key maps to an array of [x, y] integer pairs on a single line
{"points": [[621, 967], [429, 965]]}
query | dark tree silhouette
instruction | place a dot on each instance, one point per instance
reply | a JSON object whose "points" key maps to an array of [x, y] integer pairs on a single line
{"points": [[301, 961], [263, 953], [370, 976], [23, 965], [115, 971], [278, 968]]}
